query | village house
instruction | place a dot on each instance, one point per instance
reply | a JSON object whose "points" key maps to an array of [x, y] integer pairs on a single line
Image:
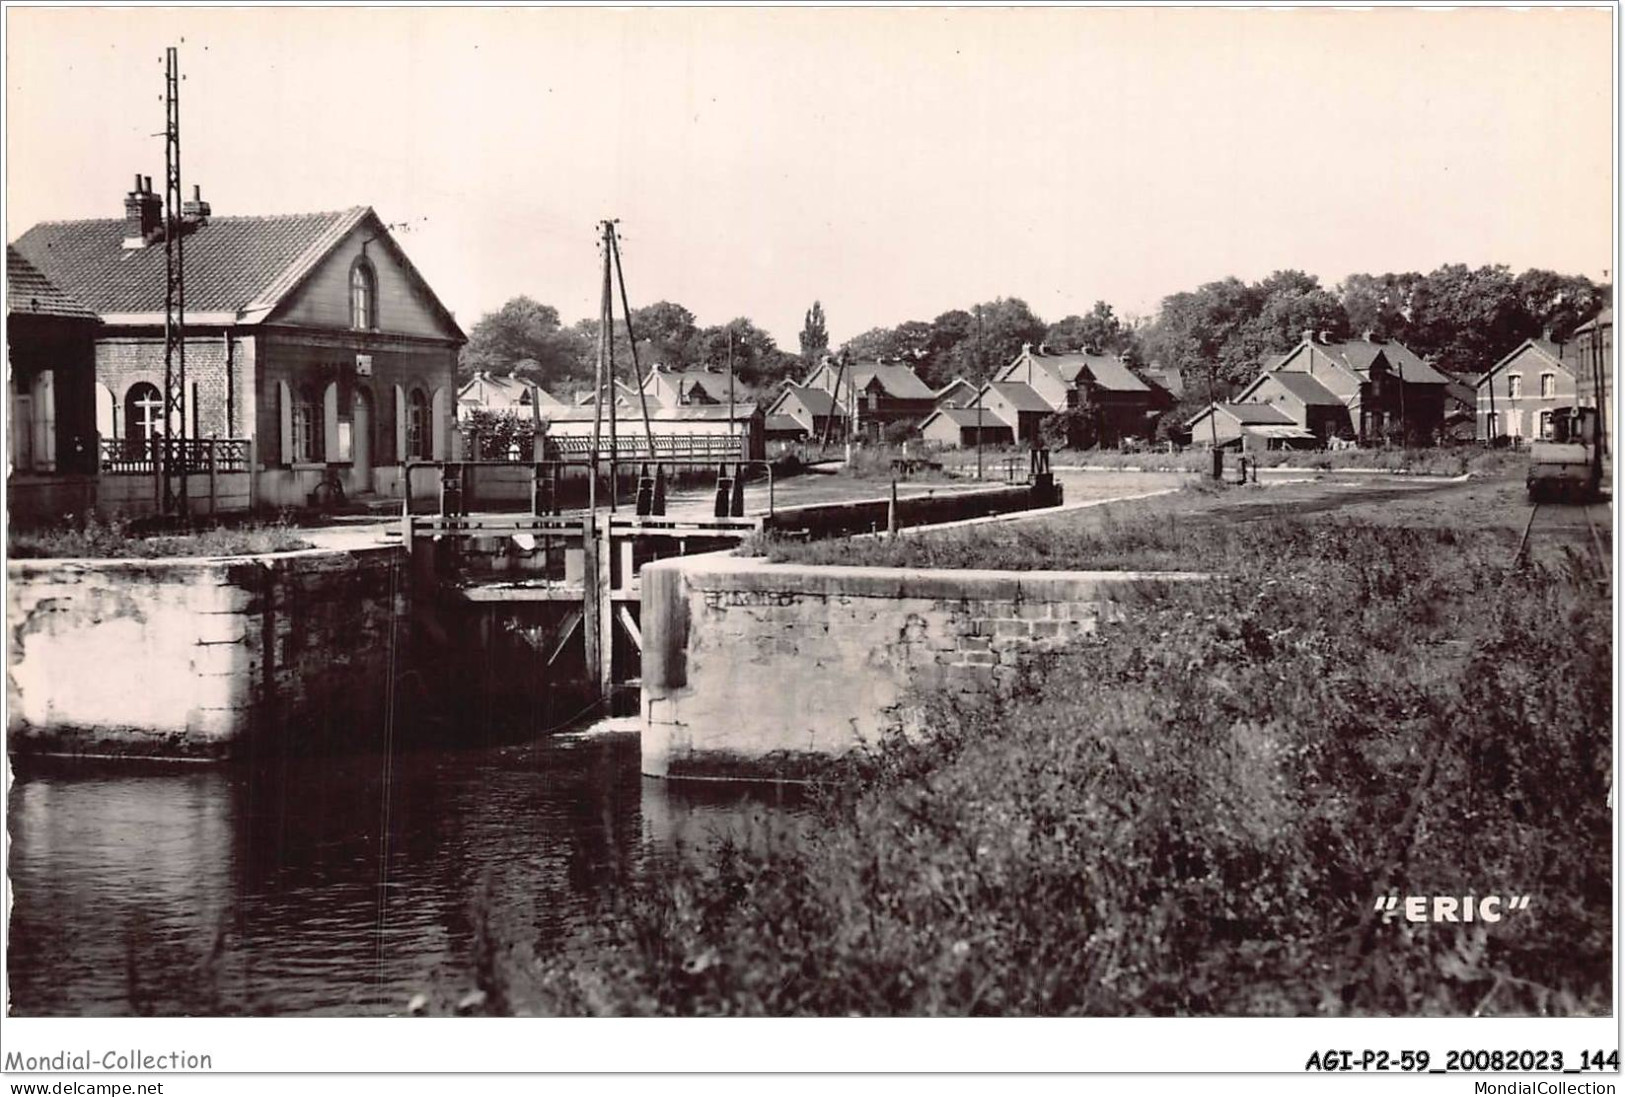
{"points": [[1591, 354], [1305, 401], [874, 395], [51, 349], [310, 336], [953, 427], [680, 388], [1380, 384], [503, 395], [1519, 394], [1250, 426], [1018, 405], [812, 409], [1121, 404]]}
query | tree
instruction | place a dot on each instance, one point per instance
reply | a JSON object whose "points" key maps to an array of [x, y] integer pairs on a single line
{"points": [[524, 330], [668, 330], [814, 334], [757, 360], [1100, 331]]}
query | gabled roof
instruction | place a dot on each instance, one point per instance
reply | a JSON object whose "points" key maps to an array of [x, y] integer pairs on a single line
{"points": [[1246, 414], [1020, 395], [900, 382], [238, 268], [486, 390], [1542, 349], [815, 400], [1109, 371], [232, 263], [1301, 385], [782, 424], [1603, 319], [952, 390], [1413, 367], [966, 417], [31, 293]]}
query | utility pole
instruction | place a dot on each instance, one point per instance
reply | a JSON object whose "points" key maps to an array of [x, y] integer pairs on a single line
{"points": [[632, 337], [730, 382], [981, 370], [605, 318], [169, 453]]}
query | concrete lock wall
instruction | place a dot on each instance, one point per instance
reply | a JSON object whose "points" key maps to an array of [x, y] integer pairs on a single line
{"points": [[201, 658], [758, 670]]}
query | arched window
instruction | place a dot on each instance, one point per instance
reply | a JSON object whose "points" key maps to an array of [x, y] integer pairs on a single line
{"points": [[417, 425], [143, 412], [363, 296]]}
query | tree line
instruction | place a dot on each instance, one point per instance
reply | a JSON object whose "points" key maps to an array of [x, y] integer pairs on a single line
{"points": [[1462, 318]]}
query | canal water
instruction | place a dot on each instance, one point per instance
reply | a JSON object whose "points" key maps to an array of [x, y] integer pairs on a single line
{"points": [[334, 886]]}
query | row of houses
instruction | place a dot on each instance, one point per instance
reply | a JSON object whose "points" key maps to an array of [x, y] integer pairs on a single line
{"points": [[1367, 391]]}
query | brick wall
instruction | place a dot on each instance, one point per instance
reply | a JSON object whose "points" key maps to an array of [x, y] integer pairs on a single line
{"points": [[759, 670], [124, 361]]}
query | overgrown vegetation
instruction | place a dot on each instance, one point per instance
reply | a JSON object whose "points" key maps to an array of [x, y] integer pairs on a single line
{"points": [[96, 537], [1193, 813]]}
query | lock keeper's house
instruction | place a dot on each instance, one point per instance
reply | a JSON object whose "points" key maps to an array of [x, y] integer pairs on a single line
{"points": [[315, 352]]}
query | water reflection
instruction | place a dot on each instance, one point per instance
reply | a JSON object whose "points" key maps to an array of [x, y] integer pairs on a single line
{"points": [[303, 889]]}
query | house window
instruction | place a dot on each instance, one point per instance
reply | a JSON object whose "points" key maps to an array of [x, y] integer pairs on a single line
{"points": [[1545, 417], [144, 411], [363, 297], [1514, 385], [307, 430], [417, 425], [1492, 426], [1548, 386]]}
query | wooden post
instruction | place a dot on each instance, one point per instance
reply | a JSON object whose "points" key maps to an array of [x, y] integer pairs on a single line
{"points": [[592, 605], [606, 617], [214, 486]]}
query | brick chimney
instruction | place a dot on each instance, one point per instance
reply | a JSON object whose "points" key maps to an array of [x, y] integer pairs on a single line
{"points": [[143, 214], [195, 210]]}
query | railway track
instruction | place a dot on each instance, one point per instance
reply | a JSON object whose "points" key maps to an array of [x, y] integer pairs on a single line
{"points": [[1585, 527]]}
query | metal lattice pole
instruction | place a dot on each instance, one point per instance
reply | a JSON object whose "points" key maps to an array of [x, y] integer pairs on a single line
{"points": [[171, 451]]}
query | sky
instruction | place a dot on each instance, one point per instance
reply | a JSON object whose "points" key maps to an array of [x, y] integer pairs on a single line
{"points": [[892, 164]]}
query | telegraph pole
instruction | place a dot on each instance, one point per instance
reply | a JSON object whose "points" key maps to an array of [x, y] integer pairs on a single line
{"points": [[169, 453]]}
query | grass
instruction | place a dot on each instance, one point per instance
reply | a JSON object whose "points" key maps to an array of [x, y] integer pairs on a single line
{"points": [[114, 538], [1192, 813]]}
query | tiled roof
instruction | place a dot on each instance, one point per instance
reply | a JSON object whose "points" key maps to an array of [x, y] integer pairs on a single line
{"points": [[1550, 351], [1306, 388], [1108, 370], [900, 382], [1247, 414], [231, 262], [29, 291], [1414, 367], [966, 417], [1021, 396], [815, 400], [485, 390]]}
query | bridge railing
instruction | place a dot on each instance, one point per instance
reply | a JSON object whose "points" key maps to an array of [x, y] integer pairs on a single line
{"points": [[634, 446]]}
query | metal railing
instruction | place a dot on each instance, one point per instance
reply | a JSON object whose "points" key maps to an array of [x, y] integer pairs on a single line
{"points": [[139, 456], [667, 447]]}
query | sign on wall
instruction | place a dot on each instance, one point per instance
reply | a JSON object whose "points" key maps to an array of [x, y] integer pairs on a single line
{"points": [[363, 365]]}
